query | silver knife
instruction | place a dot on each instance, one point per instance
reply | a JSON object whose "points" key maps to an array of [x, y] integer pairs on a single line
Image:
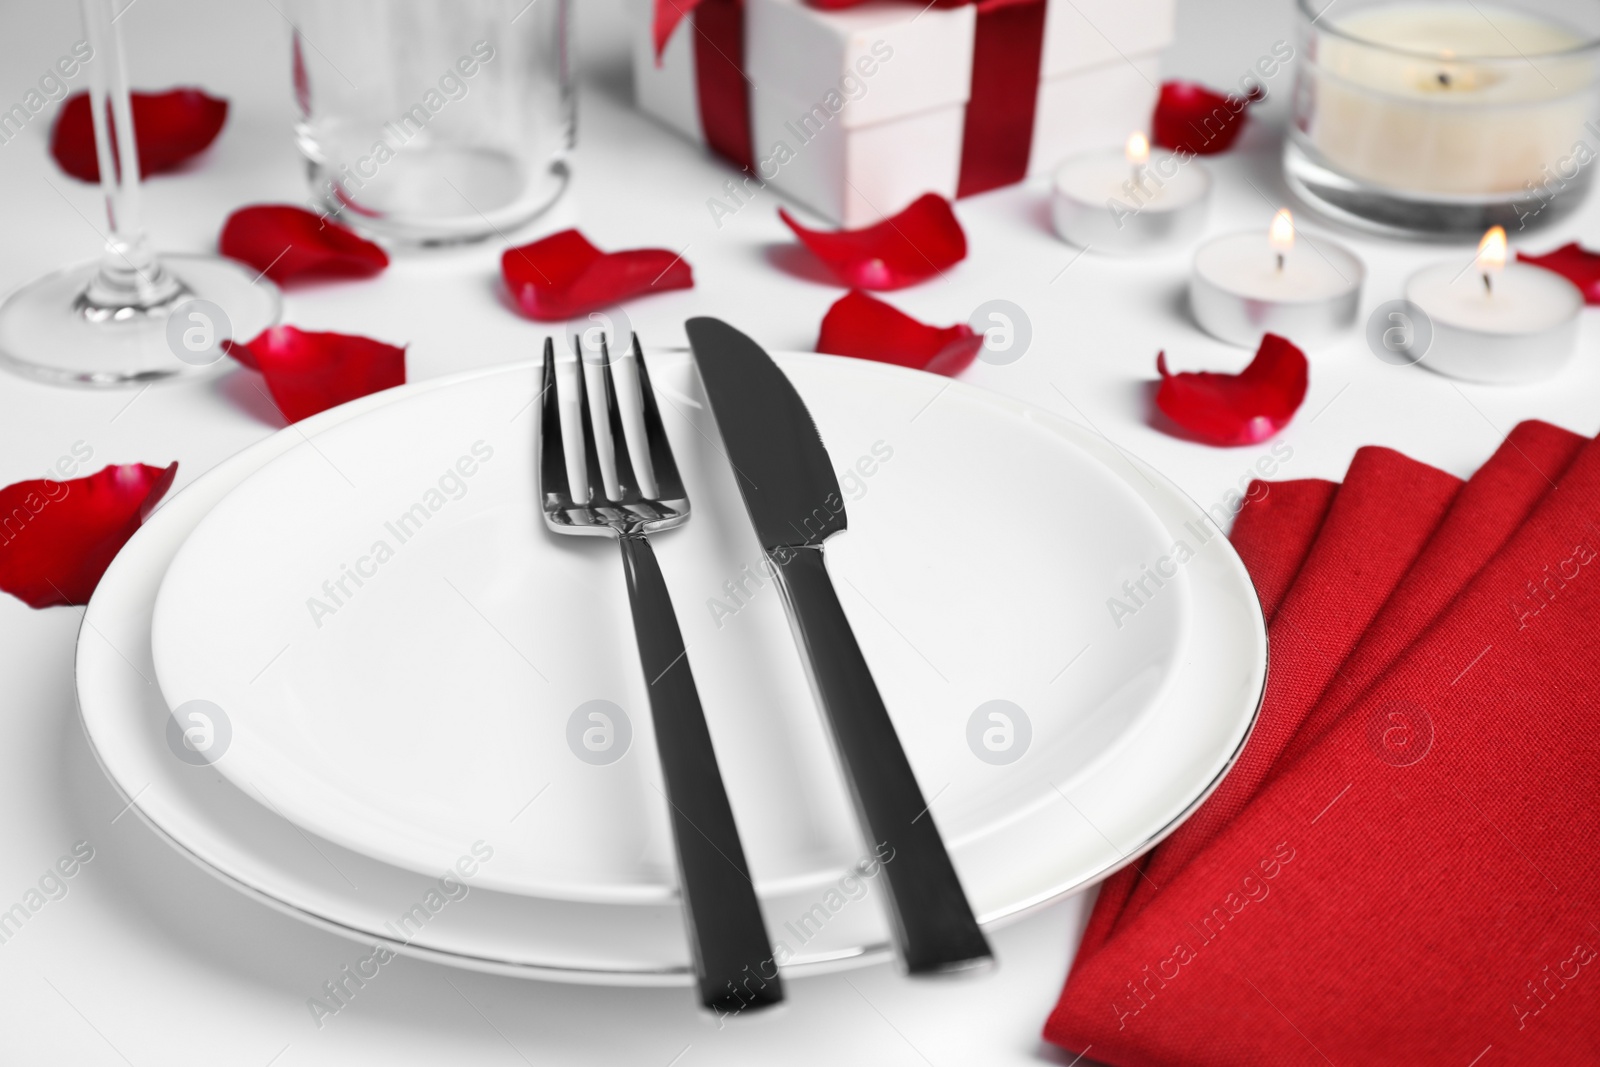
{"points": [[794, 502]]}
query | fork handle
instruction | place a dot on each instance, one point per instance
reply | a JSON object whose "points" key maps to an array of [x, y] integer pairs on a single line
{"points": [[933, 922], [734, 962]]}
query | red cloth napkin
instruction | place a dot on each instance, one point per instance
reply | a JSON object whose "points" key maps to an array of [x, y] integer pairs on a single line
{"points": [[1274, 531], [1362, 551], [1487, 511], [1433, 902]]}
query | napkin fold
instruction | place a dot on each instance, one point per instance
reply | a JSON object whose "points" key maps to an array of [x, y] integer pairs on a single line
{"points": [[1365, 545], [1488, 510], [1274, 531], [1406, 874]]}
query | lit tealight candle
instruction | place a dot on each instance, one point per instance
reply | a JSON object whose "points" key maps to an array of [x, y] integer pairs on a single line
{"points": [[1495, 321], [1280, 235], [1137, 153], [1130, 201], [1248, 284], [1491, 257]]}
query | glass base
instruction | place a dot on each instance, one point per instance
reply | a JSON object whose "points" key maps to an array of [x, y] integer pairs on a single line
{"points": [[1399, 214], [49, 331], [441, 196]]}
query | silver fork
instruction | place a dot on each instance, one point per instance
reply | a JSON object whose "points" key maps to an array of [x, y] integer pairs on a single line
{"points": [[734, 963]]}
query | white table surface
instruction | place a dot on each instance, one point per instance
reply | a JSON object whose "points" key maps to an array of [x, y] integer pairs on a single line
{"points": [[148, 960]]}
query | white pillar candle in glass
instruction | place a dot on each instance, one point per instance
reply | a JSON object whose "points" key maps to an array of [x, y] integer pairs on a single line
{"points": [[1248, 284], [1422, 115], [1493, 320], [1131, 201]]}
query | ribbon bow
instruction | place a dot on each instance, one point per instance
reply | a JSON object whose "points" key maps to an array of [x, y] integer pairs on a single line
{"points": [[998, 133], [668, 13]]}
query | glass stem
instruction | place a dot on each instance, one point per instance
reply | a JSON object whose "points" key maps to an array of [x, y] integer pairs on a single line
{"points": [[130, 275]]}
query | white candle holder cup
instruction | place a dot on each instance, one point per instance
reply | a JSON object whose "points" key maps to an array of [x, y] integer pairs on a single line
{"points": [[1102, 203], [1525, 331], [1241, 289], [1442, 118]]}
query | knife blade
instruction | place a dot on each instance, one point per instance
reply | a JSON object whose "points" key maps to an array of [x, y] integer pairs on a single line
{"points": [[789, 488]]}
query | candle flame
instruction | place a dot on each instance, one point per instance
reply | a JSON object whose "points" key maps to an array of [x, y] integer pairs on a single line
{"points": [[1281, 235], [1492, 251], [1138, 149]]}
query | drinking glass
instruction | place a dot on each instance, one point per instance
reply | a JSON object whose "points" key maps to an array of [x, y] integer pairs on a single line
{"points": [[433, 121], [107, 322]]}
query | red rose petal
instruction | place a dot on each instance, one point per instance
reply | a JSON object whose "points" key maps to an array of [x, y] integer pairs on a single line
{"points": [[58, 538], [1191, 118], [1237, 409], [1577, 264], [563, 275], [168, 129], [921, 241], [865, 327], [288, 243], [311, 372]]}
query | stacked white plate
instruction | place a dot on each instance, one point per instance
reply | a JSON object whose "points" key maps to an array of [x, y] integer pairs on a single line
{"points": [[350, 672]]}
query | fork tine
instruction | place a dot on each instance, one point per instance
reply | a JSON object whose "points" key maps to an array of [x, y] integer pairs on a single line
{"points": [[668, 485], [552, 454], [628, 488], [591, 450]]}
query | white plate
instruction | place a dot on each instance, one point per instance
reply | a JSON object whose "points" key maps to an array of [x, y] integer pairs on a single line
{"points": [[401, 645], [1137, 792]]}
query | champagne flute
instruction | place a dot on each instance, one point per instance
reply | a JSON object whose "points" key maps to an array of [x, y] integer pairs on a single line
{"points": [[106, 322]]}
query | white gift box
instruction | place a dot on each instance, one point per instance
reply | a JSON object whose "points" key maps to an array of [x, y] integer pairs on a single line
{"points": [[855, 113]]}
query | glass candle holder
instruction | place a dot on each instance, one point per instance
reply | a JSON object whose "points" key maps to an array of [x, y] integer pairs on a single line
{"points": [[433, 121], [1443, 118]]}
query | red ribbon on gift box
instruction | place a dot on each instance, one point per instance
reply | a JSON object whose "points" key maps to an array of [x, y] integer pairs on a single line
{"points": [[720, 83], [998, 133]]}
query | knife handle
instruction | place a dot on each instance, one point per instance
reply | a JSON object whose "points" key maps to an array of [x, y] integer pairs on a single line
{"points": [[933, 923], [734, 961]]}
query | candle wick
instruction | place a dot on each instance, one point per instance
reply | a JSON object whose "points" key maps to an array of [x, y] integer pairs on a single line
{"points": [[1280, 262], [1444, 79], [1488, 283]]}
